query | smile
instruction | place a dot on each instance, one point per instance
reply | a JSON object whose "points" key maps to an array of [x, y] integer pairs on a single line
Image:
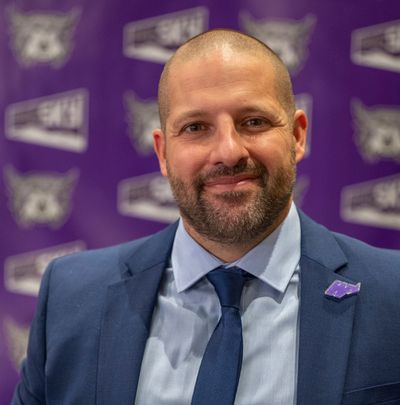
{"points": [[231, 183]]}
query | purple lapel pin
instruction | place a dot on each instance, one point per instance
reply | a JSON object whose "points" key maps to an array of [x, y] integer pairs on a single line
{"points": [[340, 289]]}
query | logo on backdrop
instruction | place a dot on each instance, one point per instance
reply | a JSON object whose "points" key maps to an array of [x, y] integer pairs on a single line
{"points": [[17, 341], [377, 131], [304, 102], [148, 196], [23, 272], [142, 117], [288, 38], [40, 198], [156, 39], [377, 46], [58, 121], [39, 38], [375, 202]]}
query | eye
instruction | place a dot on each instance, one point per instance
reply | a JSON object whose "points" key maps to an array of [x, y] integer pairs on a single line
{"points": [[194, 127], [256, 123]]}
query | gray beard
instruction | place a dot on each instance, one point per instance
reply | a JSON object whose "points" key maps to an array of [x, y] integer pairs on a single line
{"points": [[241, 217]]}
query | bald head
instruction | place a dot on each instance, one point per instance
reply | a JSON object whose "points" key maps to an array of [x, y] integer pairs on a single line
{"points": [[203, 44]]}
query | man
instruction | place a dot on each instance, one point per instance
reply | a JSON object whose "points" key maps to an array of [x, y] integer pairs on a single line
{"points": [[137, 323]]}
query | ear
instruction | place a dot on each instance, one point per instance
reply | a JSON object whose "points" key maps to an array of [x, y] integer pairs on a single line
{"points": [[300, 123], [159, 144]]}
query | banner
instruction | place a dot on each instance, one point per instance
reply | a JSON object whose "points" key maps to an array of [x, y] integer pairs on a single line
{"points": [[79, 102]]}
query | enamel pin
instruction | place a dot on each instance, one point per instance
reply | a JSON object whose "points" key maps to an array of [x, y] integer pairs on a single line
{"points": [[340, 289]]}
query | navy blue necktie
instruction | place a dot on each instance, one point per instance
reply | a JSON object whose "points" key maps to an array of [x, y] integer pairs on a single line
{"points": [[219, 371]]}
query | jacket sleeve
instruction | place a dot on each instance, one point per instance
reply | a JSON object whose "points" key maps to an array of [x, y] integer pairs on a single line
{"points": [[31, 389]]}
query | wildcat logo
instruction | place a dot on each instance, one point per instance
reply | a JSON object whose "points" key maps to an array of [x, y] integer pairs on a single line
{"points": [[374, 202], [40, 198], [156, 39], [304, 102], [39, 38], [377, 46], [17, 341], [59, 121], [142, 118], [377, 131], [23, 272], [148, 196], [288, 38]]}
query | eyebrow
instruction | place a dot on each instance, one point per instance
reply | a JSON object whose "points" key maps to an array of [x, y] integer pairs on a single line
{"points": [[269, 109], [188, 115], [258, 109], [191, 114]]}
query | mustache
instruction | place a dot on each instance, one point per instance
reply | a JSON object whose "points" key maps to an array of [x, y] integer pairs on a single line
{"points": [[246, 168]]}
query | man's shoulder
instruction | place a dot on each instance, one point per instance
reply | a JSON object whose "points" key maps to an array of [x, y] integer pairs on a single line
{"points": [[364, 251], [108, 264], [360, 260], [101, 256], [319, 233], [379, 266]]}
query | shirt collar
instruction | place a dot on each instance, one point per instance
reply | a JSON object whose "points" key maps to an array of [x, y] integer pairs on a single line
{"points": [[273, 260]]}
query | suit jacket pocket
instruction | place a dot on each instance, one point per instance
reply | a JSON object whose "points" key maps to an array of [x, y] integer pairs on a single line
{"points": [[377, 395]]}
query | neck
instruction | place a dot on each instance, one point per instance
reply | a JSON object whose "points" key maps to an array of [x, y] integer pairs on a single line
{"points": [[231, 252]]}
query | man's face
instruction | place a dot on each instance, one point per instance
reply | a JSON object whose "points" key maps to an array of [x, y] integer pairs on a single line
{"points": [[229, 148]]}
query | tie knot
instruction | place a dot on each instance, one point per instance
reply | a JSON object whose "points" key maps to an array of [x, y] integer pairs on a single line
{"points": [[228, 283]]}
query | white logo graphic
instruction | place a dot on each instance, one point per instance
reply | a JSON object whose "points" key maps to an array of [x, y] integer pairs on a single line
{"points": [[148, 196], [377, 46], [23, 273], [288, 38], [17, 341], [377, 131], [59, 121], [40, 198], [156, 39], [374, 202], [42, 38], [142, 117], [304, 102]]}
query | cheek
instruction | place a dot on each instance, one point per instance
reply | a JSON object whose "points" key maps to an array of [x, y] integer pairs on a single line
{"points": [[274, 152], [185, 162], [270, 157]]}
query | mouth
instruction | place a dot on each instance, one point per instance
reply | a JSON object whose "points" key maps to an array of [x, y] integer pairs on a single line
{"points": [[237, 182]]}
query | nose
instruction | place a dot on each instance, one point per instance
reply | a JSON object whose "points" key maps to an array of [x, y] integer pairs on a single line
{"points": [[229, 147]]}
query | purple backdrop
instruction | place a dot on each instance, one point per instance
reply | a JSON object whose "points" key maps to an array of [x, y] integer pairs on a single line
{"points": [[79, 83]]}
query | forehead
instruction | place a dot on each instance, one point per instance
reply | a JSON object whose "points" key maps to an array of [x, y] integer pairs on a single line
{"points": [[220, 77]]}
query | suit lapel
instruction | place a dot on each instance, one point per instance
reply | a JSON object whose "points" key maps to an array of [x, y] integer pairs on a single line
{"points": [[325, 324], [127, 317]]}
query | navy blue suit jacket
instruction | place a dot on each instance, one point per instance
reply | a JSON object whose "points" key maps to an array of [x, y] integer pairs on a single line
{"points": [[94, 314]]}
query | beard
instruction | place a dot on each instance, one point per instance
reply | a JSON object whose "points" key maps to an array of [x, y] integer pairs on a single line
{"points": [[235, 217]]}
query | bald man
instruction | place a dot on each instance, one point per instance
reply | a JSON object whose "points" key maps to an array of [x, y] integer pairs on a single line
{"points": [[245, 300]]}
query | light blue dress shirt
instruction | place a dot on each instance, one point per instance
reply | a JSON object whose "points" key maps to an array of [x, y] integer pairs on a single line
{"points": [[188, 310]]}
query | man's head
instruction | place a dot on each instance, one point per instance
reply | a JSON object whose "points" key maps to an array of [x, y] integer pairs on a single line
{"points": [[245, 45], [230, 137]]}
